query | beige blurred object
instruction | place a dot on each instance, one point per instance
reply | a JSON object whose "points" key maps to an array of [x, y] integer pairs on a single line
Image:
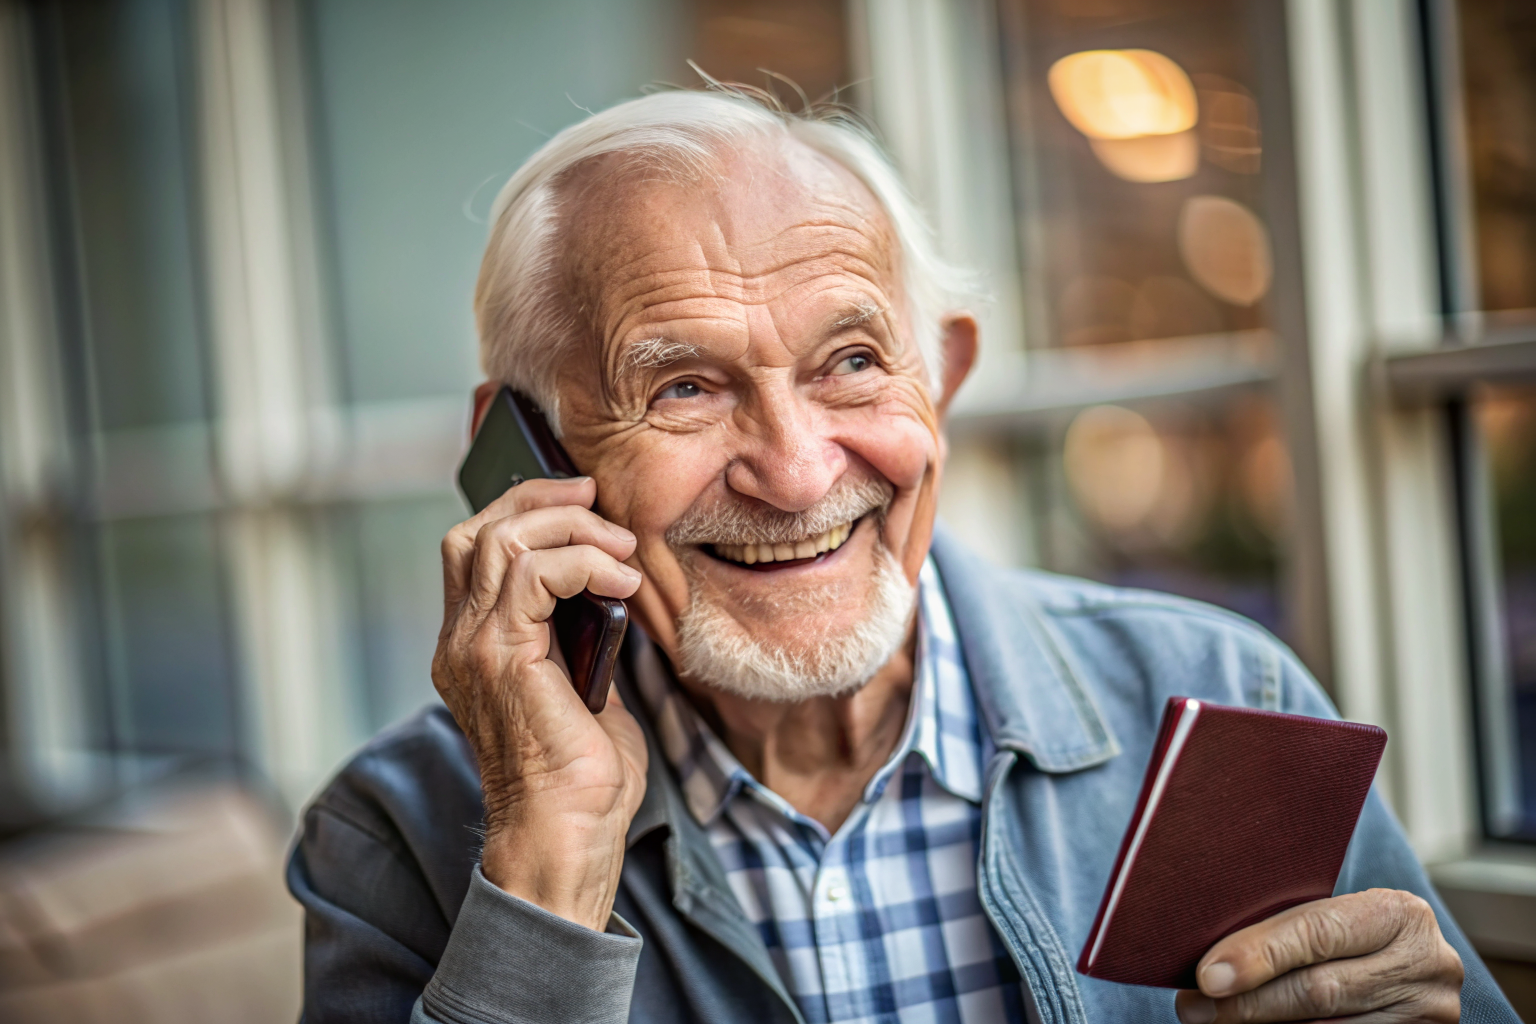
{"points": [[1149, 158], [1226, 248], [1123, 94], [167, 908], [1114, 464]]}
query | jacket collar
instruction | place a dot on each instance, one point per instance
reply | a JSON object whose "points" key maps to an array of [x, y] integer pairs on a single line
{"points": [[1032, 694]]}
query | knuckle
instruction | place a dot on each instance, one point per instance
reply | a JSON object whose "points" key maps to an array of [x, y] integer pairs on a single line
{"points": [[1323, 991], [456, 543], [1451, 966], [1321, 932]]}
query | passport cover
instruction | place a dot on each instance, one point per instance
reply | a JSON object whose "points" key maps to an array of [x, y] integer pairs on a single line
{"points": [[1242, 814]]}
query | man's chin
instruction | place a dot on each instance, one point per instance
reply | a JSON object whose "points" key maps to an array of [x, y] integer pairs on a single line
{"points": [[804, 643]]}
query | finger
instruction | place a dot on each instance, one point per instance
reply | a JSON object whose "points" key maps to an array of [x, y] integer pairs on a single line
{"points": [[1338, 988], [540, 492], [536, 578], [498, 543], [459, 544], [1327, 929]]}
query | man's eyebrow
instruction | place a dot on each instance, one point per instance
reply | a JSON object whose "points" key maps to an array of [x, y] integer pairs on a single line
{"points": [[859, 315], [655, 353]]}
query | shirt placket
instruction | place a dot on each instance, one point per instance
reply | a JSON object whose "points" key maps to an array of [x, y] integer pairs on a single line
{"points": [[834, 909]]}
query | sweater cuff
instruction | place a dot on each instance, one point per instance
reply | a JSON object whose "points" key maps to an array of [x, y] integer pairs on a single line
{"points": [[511, 962]]}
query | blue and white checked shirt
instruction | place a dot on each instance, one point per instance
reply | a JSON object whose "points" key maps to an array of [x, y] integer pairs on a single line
{"points": [[879, 922]]}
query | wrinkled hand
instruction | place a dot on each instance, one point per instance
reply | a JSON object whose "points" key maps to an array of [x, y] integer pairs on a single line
{"points": [[560, 784], [1374, 956]]}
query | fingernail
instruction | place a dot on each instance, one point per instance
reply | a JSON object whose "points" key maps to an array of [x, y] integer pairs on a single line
{"points": [[1197, 1010], [1216, 979], [619, 531], [633, 575]]}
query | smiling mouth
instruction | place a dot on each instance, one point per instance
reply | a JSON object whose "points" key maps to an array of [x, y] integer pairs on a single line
{"points": [[783, 556]]}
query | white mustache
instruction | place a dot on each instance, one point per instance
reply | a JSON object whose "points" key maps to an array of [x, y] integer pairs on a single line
{"points": [[760, 523]]}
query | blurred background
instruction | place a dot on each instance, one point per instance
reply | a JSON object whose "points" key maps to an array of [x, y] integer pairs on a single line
{"points": [[1262, 331]]}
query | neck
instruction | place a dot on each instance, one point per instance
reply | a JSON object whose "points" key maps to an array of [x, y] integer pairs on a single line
{"points": [[818, 754]]}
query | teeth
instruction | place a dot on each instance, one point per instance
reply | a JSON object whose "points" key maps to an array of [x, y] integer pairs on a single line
{"points": [[751, 554]]}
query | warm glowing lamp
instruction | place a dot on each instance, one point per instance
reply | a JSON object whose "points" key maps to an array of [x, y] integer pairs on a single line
{"points": [[1123, 94]]}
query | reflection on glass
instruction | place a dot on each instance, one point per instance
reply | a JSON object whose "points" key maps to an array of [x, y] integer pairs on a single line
{"points": [[1175, 497], [1140, 131], [1123, 94], [1226, 248], [1136, 107], [1498, 43], [1147, 252], [1507, 420]]}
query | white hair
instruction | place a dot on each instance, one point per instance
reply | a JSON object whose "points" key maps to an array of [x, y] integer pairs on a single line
{"points": [[525, 329]]}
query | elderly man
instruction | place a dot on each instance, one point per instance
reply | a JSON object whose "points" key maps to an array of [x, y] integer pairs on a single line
{"points": [[849, 771]]}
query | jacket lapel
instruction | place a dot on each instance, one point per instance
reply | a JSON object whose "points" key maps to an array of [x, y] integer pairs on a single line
{"points": [[1036, 706], [1029, 690]]}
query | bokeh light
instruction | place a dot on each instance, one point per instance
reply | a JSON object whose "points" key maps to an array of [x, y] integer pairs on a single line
{"points": [[1114, 461], [1123, 94], [1225, 248], [1149, 158]]}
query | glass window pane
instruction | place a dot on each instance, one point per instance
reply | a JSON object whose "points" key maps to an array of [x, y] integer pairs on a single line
{"points": [[1507, 421], [1498, 44], [123, 127], [389, 550], [1144, 163], [1173, 496], [423, 111], [170, 661], [1148, 252]]}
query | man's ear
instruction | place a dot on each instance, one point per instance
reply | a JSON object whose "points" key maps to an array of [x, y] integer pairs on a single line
{"points": [[960, 342], [484, 393]]}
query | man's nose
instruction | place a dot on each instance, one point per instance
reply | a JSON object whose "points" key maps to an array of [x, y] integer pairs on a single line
{"points": [[785, 459]]}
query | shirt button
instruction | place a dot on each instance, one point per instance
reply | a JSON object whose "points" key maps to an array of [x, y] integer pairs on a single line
{"points": [[836, 892]]}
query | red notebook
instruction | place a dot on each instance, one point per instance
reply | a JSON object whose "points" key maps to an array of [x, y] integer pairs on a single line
{"points": [[1242, 814]]}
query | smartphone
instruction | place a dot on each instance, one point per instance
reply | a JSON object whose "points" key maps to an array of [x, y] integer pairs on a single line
{"points": [[514, 443]]}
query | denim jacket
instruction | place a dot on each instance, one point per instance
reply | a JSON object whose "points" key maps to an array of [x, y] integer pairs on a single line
{"points": [[1071, 678]]}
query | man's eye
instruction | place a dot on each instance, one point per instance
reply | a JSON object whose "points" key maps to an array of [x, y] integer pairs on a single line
{"points": [[853, 364], [682, 389]]}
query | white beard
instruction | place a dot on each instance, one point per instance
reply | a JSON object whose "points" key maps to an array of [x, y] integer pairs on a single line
{"points": [[716, 651]]}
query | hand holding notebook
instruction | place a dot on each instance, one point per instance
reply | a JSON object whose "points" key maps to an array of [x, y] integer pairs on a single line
{"points": [[1242, 815]]}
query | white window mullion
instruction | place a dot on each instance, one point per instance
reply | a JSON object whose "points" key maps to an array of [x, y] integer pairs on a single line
{"points": [[46, 709], [274, 412], [1369, 248]]}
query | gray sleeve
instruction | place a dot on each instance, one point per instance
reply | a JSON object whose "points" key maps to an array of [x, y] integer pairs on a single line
{"points": [[511, 962]]}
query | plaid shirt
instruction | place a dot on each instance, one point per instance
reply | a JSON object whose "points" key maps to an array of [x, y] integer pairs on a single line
{"points": [[879, 922]]}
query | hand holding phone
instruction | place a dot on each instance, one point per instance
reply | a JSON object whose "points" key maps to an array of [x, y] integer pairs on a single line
{"points": [[560, 785], [514, 443]]}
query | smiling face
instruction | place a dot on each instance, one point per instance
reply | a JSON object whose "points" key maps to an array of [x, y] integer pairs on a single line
{"points": [[754, 409]]}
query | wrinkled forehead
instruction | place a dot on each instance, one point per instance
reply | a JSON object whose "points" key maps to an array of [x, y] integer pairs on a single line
{"points": [[760, 216]]}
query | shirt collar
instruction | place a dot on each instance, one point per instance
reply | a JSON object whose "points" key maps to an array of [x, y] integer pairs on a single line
{"points": [[943, 726]]}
